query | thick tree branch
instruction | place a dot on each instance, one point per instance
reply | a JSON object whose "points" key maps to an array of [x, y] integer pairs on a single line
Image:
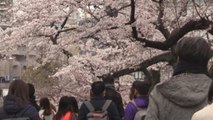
{"points": [[192, 25], [165, 57], [211, 30], [133, 20], [54, 38], [160, 26]]}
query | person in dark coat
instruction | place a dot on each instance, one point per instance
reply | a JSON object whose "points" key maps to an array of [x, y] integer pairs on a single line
{"points": [[16, 103], [32, 96], [98, 100], [112, 94]]}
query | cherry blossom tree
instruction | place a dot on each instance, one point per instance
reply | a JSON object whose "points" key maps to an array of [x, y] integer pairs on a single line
{"points": [[92, 39]]}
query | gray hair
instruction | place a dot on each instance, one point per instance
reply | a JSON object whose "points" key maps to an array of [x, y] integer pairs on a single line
{"points": [[194, 49]]}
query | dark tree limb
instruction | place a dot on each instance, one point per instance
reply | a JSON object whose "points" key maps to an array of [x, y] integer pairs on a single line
{"points": [[211, 30], [67, 53], [133, 20], [176, 34], [164, 57], [160, 26], [157, 1], [54, 38]]}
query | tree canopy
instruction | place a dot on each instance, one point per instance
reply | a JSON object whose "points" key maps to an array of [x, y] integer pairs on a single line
{"points": [[97, 38]]}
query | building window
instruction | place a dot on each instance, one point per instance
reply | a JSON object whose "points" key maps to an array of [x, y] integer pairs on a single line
{"points": [[2, 79], [138, 75]]}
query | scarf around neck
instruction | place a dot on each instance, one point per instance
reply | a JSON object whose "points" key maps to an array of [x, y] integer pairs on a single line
{"points": [[186, 67]]}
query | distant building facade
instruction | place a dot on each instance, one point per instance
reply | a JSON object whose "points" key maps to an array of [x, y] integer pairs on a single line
{"points": [[13, 65]]}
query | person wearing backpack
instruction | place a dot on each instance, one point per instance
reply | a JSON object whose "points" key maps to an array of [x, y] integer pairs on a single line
{"points": [[112, 94], [98, 107], [16, 103], [136, 108]]}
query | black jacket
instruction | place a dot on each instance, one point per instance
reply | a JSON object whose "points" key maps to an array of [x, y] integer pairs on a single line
{"points": [[112, 94], [98, 102], [12, 107]]}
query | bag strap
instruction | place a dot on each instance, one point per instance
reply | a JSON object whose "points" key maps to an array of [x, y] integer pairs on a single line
{"points": [[106, 105], [89, 106]]}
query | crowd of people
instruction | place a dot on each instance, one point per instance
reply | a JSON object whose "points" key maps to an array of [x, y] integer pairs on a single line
{"points": [[187, 95]]}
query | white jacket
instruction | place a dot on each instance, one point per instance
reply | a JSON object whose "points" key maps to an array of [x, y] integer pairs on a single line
{"points": [[204, 114], [45, 117]]}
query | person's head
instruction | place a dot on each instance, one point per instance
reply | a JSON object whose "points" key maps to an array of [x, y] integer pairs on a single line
{"points": [[63, 107], [45, 104], [210, 94], [108, 79], [31, 90], [97, 88], [74, 104], [139, 89], [19, 89], [193, 50]]}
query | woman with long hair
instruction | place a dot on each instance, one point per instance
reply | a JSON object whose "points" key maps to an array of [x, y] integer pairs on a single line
{"points": [[65, 109], [46, 112], [16, 103]]}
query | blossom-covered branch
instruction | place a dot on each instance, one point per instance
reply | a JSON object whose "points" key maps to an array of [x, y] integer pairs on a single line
{"points": [[178, 33], [164, 57]]}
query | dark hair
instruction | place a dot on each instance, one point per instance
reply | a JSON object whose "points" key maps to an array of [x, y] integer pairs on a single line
{"points": [[210, 94], [142, 88], [108, 79], [74, 104], [64, 107], [194, 50], [32, 97], [97, 88], [19, 89], [31, 90], [45, 104]]}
